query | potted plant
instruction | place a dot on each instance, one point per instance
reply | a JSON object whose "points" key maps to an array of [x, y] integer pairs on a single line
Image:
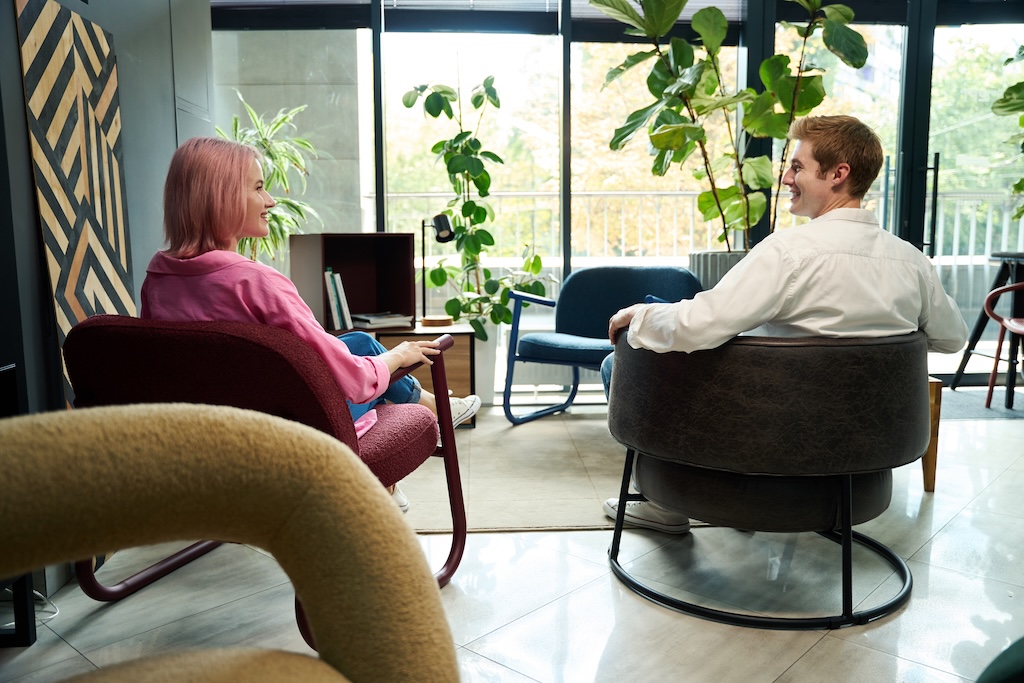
{"points": [[281, 155], [1012, 102], [478, 294], [690, 94]]}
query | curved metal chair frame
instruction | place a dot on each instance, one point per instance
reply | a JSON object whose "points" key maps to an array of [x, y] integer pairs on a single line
{"points": [[1015, 324], [825, 481], [845, 537]]}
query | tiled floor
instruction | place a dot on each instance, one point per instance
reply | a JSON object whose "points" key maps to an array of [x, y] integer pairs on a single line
{"points": [[544, 606]]}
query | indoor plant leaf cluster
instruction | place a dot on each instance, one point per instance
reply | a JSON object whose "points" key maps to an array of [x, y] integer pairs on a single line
{"points": [[1012, 102], [478, 294], [282, 154], [690, 93]]}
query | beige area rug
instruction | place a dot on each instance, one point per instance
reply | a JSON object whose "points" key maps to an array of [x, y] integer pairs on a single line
{"points": [[552, 473]]}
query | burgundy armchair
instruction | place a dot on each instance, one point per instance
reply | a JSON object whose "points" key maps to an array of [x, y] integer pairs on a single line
{"points": [[116, 360]]}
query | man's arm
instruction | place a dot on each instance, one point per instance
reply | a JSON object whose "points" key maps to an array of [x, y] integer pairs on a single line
{"points": [[943, 323], [752, 293]]}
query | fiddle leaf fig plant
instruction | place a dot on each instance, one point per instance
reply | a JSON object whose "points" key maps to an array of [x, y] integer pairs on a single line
{"points": [[281, 156], [478, 294], [1012, 102], [690, 94]]}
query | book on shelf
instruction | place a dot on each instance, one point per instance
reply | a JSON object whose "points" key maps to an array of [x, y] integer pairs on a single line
{"points": [[345, 321], [374, 321], [332, 319]]}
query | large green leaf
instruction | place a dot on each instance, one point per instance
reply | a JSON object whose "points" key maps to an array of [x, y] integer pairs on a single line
{"points": [[436, 104], [762, 121], [409, 98], [659, 78], [772, 69], [686, 83], [676, 136], [634, 122], [757, 172], [474, 166], [620, 10], [631, 61], [711, 25], [845, 43], [838, 13], [706, 105], [491, 156], [1011, 102], [707, 205], [680, 55], [661, 15]]}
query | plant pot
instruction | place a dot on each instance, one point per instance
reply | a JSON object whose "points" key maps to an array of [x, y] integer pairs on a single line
{"points": [[711, 266], [485, 355]]}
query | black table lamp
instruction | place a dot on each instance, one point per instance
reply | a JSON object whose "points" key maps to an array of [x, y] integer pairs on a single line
{"points": [[442, 233]]}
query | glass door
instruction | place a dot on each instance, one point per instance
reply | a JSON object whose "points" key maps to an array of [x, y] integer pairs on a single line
{"points": [[977, 166]]}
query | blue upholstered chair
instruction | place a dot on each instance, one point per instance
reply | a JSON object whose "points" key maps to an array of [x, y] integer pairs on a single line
{"points": [[580, 339]]}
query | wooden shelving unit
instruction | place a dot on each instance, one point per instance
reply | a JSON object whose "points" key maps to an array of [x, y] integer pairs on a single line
{"points": [[377, 269]]}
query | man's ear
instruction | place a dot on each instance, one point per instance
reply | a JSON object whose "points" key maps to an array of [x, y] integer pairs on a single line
{"points": [[840, 173]]}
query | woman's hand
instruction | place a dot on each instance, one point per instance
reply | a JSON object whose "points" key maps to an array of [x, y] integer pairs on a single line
{"points": [[410, 353]]}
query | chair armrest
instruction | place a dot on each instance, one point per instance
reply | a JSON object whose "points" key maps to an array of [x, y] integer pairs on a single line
{"points": [[444, 342], [531, 298]]}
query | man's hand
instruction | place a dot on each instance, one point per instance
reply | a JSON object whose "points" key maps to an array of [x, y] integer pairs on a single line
{"points": [[409, 353], [621, 321]]}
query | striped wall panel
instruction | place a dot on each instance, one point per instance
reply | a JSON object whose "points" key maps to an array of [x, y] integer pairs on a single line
{"points": [[74, 122]]}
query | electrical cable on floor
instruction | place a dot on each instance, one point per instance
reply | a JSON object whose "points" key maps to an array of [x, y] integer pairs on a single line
{"points": [[42, 617]]}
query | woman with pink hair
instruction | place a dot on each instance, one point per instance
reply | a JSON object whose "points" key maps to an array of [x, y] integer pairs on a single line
{"points": [[214, 196]]}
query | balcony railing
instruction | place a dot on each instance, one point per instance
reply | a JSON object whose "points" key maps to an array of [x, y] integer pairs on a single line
{"points": [[646, 228]]}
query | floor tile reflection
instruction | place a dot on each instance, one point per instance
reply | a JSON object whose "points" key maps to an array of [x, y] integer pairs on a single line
{"points": [[544, 605]]}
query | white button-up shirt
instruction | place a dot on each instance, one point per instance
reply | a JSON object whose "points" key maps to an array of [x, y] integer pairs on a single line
{"points": [[840, 275]]}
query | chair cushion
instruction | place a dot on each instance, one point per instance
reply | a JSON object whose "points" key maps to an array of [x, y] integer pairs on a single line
{"points": [[403, 438], [760, 502], [568, 349]]}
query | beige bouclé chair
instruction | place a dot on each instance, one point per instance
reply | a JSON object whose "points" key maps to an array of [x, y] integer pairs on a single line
{"points": [[141, 474]]}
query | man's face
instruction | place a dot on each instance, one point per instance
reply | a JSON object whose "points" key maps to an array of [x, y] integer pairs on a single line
{"points": [[812, 193]]}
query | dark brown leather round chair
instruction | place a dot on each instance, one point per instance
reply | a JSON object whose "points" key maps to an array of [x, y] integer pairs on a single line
{"points": [[775, 435]]}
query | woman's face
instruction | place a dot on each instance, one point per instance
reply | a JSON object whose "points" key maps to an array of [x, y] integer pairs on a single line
{"points": [[257, 203]]}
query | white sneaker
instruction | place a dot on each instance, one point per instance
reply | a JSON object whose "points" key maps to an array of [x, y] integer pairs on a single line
{"points": [[649, 515], [463, 408], [400, 499]]}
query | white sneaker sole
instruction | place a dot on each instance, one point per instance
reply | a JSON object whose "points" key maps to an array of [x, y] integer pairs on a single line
{"points": [[629, 520]]}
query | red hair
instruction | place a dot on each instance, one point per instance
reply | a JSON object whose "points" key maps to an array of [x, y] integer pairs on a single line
{"points": [[204, 195]]}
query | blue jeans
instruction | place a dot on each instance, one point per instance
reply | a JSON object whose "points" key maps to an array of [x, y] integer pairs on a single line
{"points": [[404, 390], [606, 372]]}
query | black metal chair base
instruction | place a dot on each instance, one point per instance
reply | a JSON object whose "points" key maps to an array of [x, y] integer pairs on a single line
{"points": [[845, 537], [783, 623]]}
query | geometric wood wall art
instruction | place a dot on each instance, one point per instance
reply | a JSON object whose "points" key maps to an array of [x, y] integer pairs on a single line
{"points": [[74, 123]]}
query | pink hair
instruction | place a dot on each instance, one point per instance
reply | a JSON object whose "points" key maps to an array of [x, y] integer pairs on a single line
{"points": [[204, 195]]}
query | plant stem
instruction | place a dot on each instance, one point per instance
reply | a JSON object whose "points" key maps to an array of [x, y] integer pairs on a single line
{"points": [[705, 157], [792, 116]]}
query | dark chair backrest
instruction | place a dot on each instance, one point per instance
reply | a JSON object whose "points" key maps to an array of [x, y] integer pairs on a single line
{"points": [[117, 360], [589, 297], [758, 405]]}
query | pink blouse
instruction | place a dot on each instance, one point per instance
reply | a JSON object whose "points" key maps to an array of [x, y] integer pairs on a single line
{"points": [[223, 285]]}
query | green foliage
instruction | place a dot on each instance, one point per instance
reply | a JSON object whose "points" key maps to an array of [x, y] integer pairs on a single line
{"points": [[478, 294], [281, 156], [689, 90], [1012, 102]]}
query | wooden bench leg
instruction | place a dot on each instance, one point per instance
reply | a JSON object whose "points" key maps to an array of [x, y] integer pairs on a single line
{"points": [[931, 456]]}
